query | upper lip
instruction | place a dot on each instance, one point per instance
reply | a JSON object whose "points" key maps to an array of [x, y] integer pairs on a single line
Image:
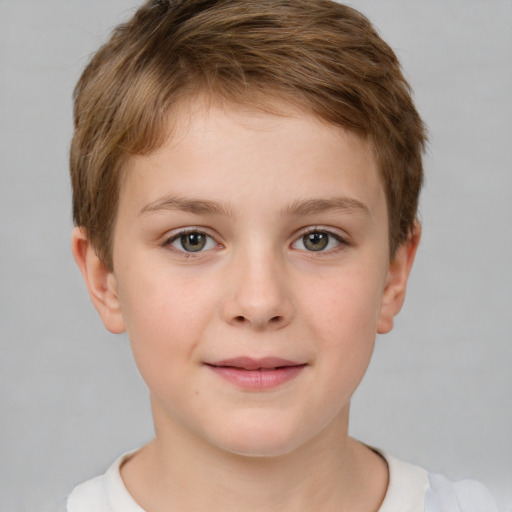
{"points": [[249, 363]]}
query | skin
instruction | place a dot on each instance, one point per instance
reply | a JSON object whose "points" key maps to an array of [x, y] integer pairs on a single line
{"points": [[254, 183]]}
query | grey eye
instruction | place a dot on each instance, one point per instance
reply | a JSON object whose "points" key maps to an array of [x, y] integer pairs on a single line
{"points": [[316, 241], [193, 241]]}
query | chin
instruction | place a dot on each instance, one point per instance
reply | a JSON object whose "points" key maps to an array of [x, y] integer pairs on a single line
{"points": [[259, 440], [259, 449]]}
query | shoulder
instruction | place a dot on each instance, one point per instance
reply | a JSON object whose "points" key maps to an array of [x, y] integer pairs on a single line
{"points": [[105, 493], [406, 488], [89, 495], [412, 488], [462, 496]]}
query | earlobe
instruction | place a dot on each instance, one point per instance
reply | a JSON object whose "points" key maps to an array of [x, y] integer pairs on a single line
{"points": [[101, 282], [396, 285]]}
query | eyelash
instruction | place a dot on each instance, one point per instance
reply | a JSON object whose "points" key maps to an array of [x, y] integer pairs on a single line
{"points": [[183, 233], [341, 242]]}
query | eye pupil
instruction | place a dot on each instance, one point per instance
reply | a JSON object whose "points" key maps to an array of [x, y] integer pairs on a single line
{"points": [[316, 241], [193, 242]]}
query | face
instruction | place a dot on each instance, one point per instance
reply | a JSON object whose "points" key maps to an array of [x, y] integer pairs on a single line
{"points": [[252, 273]]}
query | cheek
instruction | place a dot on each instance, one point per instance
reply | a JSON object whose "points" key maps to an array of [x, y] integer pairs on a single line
{"points": [[164, 319], [343, 318], [161, 300], [346, 304]]}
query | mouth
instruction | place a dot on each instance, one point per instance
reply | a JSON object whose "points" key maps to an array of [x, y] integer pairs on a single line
{"points": [[257, 374]]}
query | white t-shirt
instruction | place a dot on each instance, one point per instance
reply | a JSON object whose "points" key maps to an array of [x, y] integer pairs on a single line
{"points": [[410, 489]]}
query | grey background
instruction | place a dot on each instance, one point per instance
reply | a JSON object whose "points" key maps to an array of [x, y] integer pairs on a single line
{"points": [[439, 389]]}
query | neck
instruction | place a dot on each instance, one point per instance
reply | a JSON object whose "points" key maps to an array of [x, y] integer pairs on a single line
{"points": [[179, 471]]}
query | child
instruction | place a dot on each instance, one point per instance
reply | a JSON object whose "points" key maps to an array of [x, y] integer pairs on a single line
{"points": [[245, 185]]}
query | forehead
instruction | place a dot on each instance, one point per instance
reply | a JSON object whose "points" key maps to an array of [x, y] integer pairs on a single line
{"points": [[275, 154]]}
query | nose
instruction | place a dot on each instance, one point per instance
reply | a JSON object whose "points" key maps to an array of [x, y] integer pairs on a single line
{"points": [[256, 292]]}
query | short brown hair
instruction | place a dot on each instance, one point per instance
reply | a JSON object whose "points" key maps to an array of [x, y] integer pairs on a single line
{"points": [[318, 54]]}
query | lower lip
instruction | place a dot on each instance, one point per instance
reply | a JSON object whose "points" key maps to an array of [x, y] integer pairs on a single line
{"points": [[258, 380]]}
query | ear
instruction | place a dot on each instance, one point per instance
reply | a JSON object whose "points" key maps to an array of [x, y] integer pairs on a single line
{"points": [[396, 284], [101, 282]]}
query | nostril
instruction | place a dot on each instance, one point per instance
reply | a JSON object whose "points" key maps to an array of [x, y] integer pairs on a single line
{"points": [[240, 319]]}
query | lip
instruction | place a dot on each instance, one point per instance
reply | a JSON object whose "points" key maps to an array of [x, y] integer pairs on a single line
{"points": [[257, 374]]}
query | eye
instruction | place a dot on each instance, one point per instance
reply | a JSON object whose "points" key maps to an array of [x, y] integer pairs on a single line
{"points": [[318, 241], [192, 241]]}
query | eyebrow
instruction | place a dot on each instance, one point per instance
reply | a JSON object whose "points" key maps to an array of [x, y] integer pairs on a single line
{"points": [[190, 205], [296, 208], [321, 205]]}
